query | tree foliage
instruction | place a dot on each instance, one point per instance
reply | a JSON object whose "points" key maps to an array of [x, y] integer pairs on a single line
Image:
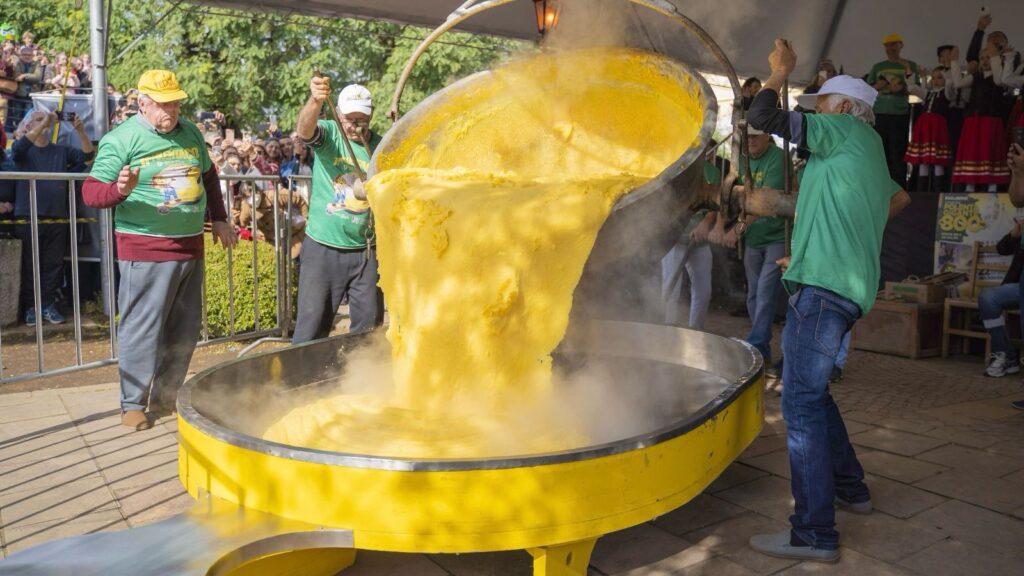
{"points": [[250, 65]]}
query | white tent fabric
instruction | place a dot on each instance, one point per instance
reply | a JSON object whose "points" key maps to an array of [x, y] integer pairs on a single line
{"points": [[847, 31]]}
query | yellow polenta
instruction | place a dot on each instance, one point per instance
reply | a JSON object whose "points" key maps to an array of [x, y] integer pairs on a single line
{"points": [[485, 216]]}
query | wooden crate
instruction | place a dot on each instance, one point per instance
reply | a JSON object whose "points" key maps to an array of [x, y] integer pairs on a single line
{"points": [[909, 330]]}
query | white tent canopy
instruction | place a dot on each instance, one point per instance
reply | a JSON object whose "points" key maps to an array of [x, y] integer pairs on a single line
{"points": [[848, 32]]}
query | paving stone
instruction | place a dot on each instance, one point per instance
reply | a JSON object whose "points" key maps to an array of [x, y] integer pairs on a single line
{"points": [[881, 536], [769, 496], [903, 443], [35, 440], [371, 563], [32, 409], [26, 536], [776, 463], [1012, 448], [977, 461], [37, 474], [1016, 478], [992, 493], [514, 563], [1018, 513], [897, 467], [862, 416], [763, 445], [144, 504], [979, 410], [63, 501], [957, 558], [645, 548], [963, 436], [737, 473], [898, 499], [714, 567], [704, 510], [855, 427], [977, 525], [915, 426], [851, 563], [15, 398], [139, 471], [731, 540]]}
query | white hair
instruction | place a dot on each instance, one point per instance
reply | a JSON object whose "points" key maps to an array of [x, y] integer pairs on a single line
{"points": [[859, 109]]}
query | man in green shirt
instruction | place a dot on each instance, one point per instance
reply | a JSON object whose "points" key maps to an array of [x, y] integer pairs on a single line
{"points": [[153, 169], [892, 107], [765, 242], [846, 197], [338, 256]]}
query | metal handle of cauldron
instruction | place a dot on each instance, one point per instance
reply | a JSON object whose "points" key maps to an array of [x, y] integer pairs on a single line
{"points": [[471, 8]]}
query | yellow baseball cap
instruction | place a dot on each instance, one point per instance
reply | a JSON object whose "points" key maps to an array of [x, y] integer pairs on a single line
{"points": [[892, 38], [161, 86]]}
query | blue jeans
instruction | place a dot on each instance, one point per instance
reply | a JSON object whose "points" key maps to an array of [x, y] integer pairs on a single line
{"points": [[844, 351], [821, 459], [991, 303], [697, 261], [762, 283]]}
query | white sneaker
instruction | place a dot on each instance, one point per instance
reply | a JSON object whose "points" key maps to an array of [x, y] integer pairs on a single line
{"points": [[1000, 366]]}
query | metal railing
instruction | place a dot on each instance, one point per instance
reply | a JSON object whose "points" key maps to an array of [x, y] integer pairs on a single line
{"points": [[283, 277]]}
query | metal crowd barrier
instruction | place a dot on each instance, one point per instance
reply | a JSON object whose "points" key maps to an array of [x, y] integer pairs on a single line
{"points": [[282, 265]]}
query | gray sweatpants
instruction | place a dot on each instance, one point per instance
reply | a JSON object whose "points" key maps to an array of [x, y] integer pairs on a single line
{"points": [[161, 314], [326, 275]]}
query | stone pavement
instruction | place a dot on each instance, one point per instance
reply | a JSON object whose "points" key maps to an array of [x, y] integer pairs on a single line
{"points": [[943, 450]]}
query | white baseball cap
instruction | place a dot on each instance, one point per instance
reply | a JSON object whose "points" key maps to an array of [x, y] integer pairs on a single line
{"points": [[843, 84], [355, 98]]}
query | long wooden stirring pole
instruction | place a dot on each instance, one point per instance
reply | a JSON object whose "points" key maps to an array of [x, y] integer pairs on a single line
{"points": [[348, 145]]}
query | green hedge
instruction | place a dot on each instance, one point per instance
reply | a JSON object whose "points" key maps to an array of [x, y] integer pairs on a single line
{"points": [[217, 313]]}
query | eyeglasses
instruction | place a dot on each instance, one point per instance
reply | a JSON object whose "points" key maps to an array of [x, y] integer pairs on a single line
{"points": [[356, 123]]}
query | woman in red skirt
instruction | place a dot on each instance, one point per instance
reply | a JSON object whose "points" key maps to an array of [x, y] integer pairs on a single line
{"points": [[929, 148], [1009, 73], [981, 154]]}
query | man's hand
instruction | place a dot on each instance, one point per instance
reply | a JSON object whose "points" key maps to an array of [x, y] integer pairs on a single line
{"points": [[127, 180], [76, 121], [699, 235], [225, 234], [783, 59], [984, 20], [717, 235], [731, 238], [6, 208], [1015, 159], [1015, 233], [783, 263], [954, 54], [319, 89]]}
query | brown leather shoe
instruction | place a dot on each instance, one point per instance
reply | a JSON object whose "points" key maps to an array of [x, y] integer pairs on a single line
{"points": [[135, 419]]}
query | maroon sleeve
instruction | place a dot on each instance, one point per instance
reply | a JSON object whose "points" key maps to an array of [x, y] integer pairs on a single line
{"points": [[99, 194], [214, 199]]}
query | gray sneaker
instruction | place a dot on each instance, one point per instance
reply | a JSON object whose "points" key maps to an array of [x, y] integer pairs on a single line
{"points": [[855, 507], [779, 546], [1001, 366]]}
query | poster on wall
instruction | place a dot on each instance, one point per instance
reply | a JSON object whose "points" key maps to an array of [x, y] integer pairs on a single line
{"points": [[964, 219]]}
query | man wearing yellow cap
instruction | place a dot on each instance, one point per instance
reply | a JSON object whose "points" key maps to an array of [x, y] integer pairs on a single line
{"points": [[154, 170], [892, 108], [338, 257]]}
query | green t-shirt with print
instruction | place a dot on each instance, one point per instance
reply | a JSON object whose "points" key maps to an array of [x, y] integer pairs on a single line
{"points": [[895, 99], [169, 199], [767, 172], [842, 209], [336, 217]]}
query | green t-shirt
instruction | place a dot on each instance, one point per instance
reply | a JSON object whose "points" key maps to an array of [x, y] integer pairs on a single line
{"points": [[336, 218], [169, 199], [767, 172], [842, 209], [897, 100]]}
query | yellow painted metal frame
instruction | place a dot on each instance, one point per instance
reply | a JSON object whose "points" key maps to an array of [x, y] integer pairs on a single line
{"points": [[477, 510]]}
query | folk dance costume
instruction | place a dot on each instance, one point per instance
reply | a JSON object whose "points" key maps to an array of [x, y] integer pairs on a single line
{"points": [[981, 153], [929, 143]]}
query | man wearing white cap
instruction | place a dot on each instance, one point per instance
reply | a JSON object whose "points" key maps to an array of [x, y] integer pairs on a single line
{"points": [[846, 197], [338, 256]]}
